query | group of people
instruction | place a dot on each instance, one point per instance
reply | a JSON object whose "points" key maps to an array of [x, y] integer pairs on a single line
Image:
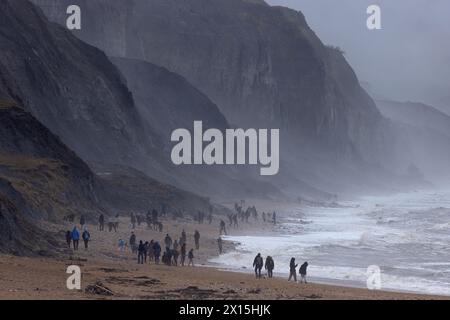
{"points": [[258, 264], [244, 215], [293, 271], [73, 238], [175, 253]]}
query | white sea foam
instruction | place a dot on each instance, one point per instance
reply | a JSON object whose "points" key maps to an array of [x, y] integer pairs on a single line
{"points": [[403, 234]]}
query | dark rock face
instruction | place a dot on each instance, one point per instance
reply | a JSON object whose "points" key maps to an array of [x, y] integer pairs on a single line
{"points": [[17, 235], [166, 100], [69, 86], [40, 178], [50, 177], [263, 66]]}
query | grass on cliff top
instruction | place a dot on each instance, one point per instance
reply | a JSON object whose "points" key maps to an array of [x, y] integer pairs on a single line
{"points": [[6, 104]]}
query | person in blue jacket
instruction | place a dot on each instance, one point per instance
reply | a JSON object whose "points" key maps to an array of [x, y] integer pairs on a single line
{"points": [[75, 238]]}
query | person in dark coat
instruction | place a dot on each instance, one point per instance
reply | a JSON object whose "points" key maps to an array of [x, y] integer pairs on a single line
{"points": [[302, 272], [157, 251], [191, 258], [86, 238], [269, 266], [220, 244], [141, 252], [258, 263], [82, 221], [133, 243], [68, 238], [197, 239], [183, 254], [101, 223], [292, 269]]}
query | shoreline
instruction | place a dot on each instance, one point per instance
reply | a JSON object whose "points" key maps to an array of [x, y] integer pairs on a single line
{"points": [[152, 282], [45, 278]]}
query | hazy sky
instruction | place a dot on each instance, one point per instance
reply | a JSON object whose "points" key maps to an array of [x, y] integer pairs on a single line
{"points": [[409, 59]]}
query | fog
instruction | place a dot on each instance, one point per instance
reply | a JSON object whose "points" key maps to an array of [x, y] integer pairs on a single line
{"points": [[408, 60]]}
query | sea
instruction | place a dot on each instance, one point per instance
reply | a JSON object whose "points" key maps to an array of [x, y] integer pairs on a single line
{"points": [[405, 236]]}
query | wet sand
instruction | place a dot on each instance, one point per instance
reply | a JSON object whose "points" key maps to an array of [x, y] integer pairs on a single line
{"points": [[119, 273]]}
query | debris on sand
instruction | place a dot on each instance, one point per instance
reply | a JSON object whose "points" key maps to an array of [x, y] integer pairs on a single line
{"points": [[99, 289], [254, 291], [231, 291], [112, 270], [136, 281]]}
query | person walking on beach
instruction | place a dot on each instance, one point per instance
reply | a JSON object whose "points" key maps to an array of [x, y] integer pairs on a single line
{"points": [[69, 238], [220, 244], [191, 258], [82, 221], [122, 245], [133, 243], [274, 218], [141, 252], [269, 266], [75, 238], [183, 254], [146, 249], [293, 271], [151, 250], [183, 237], [258, 264], [197, 239], [302, 272], [168, 241], [175, 255], [223, 229], [157, 251], [101, 222], [86, 238]]}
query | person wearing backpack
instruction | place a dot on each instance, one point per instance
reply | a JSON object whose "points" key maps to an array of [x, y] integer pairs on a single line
{"points": [[86, 238], [302, 272], [270, 265]]}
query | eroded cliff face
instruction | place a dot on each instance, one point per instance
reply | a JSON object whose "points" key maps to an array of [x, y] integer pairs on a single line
{"points": [[166, 100], [263, 66], [69, 86], [50, 177], [40, 179]]}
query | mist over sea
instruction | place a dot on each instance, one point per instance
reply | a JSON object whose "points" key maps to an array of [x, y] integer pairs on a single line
{"points": [[406, 235]]}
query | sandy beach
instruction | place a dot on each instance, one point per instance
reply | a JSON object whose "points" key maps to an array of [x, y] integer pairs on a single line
{"points": [[118, 272]]}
